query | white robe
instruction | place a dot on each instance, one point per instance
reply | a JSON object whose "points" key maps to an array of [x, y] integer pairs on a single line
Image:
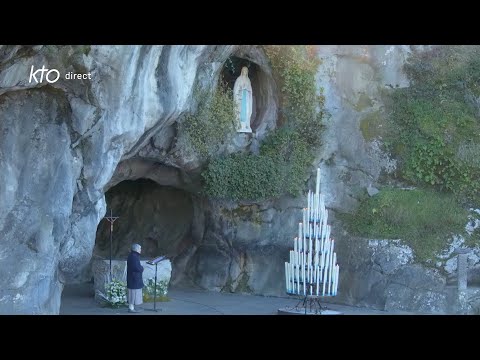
{"points": [[243, 83]]}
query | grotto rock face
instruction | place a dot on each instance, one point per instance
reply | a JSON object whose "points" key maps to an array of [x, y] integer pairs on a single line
{"points": [[159, 218], [61, 142], [63, 145]]}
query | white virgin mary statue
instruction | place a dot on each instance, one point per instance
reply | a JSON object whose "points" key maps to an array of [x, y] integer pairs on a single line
{"points": [[242, 94]]}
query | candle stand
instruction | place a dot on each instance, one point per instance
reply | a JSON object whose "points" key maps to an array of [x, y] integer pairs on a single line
{"points": [[308, 304], [312, 272]]}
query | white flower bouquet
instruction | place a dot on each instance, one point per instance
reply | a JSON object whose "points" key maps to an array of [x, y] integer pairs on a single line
{"points": [[116, 293], [149, 290]]}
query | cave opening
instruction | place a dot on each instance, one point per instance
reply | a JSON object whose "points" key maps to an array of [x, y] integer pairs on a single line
{"points": [[157, 217]]}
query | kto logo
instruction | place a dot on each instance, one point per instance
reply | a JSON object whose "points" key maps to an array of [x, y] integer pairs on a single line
{"points": [[51, 78]]}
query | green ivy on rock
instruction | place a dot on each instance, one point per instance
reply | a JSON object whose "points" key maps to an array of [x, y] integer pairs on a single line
{"points": [[286, 154], [213, 123]]}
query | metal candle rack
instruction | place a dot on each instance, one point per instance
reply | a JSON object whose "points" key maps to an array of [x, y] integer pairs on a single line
{"points": [[312, 272]]}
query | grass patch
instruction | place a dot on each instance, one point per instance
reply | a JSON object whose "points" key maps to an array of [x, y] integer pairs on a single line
{"points": [[424, 219], [363, 102], [371, 126]]}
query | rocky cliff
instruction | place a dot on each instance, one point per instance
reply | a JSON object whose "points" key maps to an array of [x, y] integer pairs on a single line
{"points": [[65, 144]]}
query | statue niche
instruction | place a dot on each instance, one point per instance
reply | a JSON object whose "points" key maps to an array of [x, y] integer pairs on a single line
{"points": [[243, 97]]}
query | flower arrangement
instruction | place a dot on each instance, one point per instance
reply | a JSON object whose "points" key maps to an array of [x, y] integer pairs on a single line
{"points": [[149, 290], [116, 293]]}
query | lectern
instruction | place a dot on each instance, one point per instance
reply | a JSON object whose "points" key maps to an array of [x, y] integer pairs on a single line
{"points": [[155, 262]]}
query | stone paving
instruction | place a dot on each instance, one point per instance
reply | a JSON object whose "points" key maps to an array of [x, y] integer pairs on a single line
{"points": [[78, 300]]}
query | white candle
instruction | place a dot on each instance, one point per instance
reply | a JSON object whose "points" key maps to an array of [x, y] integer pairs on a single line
{"points": [[321, 215], [308, 202], [304, 215], [324, 254], [325, 233], [312, 275], [334, 285], [331, 266], [310, 252], [329, 287], [303, 245], [324, 273], [304, 282], [334, 280], [317, 270], [310, 205], [338, 274], [289, 278], [292, 275], [286, 276], [334, 258], [312, 214], [306, 276], [297, 277], [299, 230]]}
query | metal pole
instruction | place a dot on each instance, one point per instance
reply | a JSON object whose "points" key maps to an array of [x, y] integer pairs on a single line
{"points": [[155, 291], [111, 219], [111, 230]]}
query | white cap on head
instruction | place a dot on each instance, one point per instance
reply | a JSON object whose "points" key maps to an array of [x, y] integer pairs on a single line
{"points": [[136, 247]]}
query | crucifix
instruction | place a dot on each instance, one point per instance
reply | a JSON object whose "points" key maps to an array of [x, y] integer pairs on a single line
{"points": [[111, 219]]}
